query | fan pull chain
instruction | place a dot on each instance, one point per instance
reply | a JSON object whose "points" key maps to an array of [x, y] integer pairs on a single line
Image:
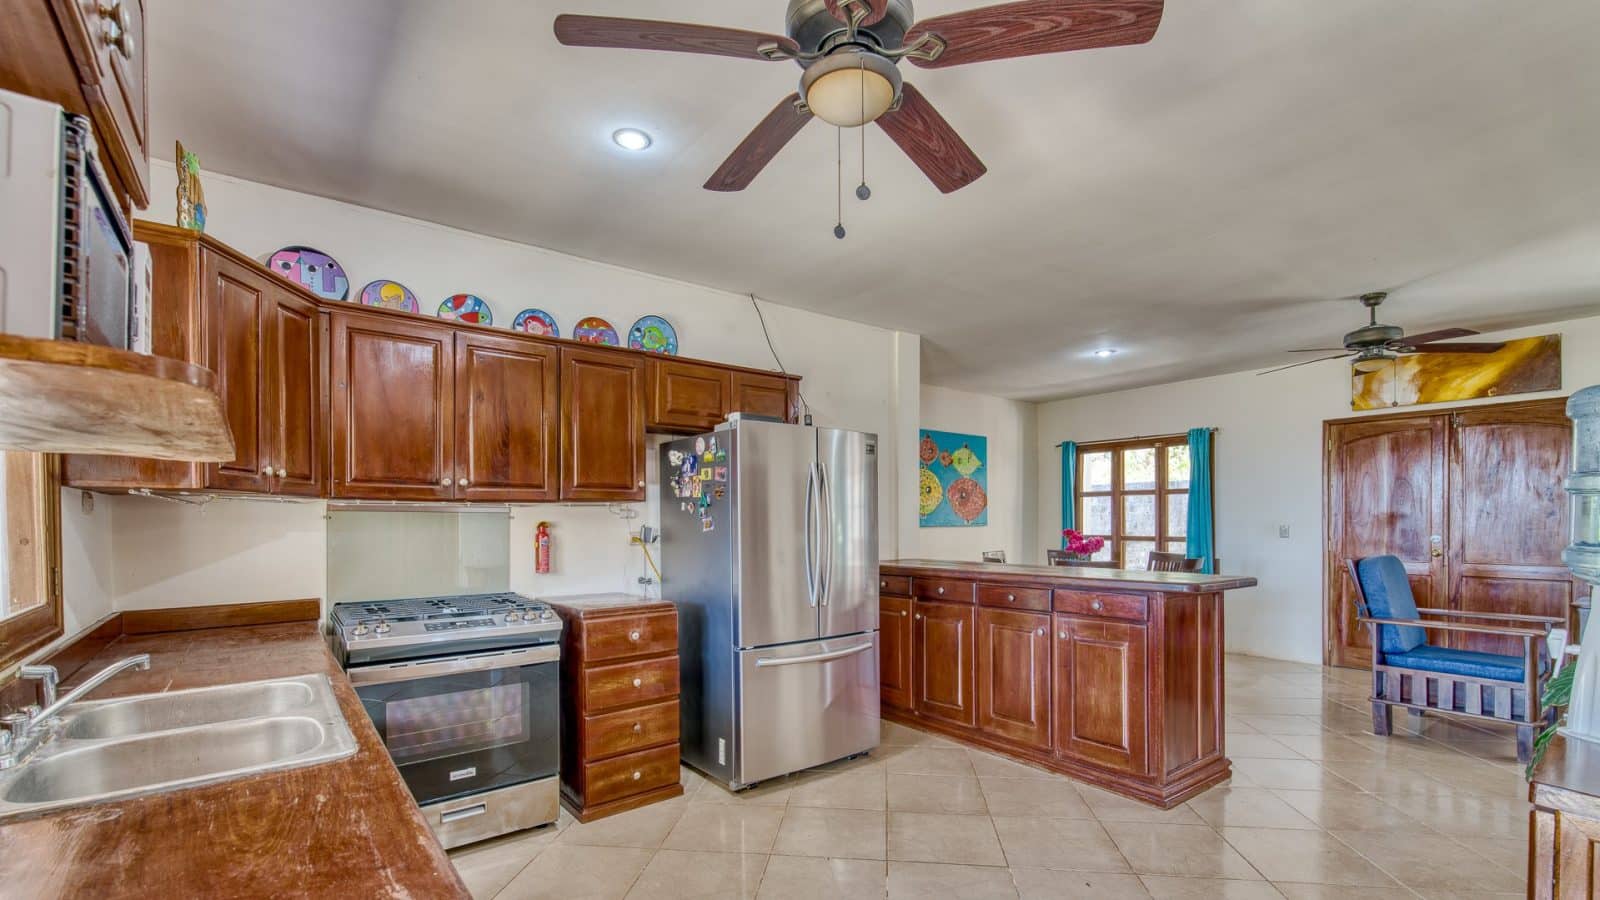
{"points": [[863, 192], [838, 229]]}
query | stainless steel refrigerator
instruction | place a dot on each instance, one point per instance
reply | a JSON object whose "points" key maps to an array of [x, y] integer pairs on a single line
{"points": [[769, 548]]}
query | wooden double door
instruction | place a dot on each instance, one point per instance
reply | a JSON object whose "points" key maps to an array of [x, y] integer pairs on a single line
{"points": [[1471, 500]]}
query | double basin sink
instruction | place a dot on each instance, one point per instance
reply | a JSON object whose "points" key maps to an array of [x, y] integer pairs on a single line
{"points": [[113, 749]]}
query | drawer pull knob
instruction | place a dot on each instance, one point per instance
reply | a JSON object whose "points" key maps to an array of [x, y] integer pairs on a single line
{"points": [[446, 482], [637, 775], [1097, 605], [1011, 597], [919, 617], [638, 728], [902, 613], [1040, 632], [941, 590], [1062, 635], [633, 636], [883, 584], [637, 682]]}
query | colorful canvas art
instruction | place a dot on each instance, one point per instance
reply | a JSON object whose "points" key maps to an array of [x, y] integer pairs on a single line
{"points": [[954, 479], [1520, 367], [313, 270]]}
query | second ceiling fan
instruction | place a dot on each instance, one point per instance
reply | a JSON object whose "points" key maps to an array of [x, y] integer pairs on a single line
{"points": [[850, 50]]}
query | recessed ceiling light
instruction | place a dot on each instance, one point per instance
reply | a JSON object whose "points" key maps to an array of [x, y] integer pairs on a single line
{"points": [[632, 139], [1105, 352]]}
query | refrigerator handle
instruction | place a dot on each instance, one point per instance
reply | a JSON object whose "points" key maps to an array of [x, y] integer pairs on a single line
{"points": [[825, 551], [810, 527]]}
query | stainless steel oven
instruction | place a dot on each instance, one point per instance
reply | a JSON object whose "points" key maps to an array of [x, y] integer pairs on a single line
{"points": [[475, 732]]}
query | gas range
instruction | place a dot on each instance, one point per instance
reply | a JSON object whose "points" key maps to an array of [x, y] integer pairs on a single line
{"points": [[422, 627]]}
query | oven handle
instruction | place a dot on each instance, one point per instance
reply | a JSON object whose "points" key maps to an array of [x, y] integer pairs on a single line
{"points": [[453, 666], [815, 657]]}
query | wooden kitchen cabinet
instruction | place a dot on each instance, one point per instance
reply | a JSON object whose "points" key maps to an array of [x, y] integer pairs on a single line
{"points": [[602, 425], [508, 423], [1100, 685], [296, 399], [1014, 675], [687, 397], [894, 651], [943, 660], [393, 408], [773, 396]]}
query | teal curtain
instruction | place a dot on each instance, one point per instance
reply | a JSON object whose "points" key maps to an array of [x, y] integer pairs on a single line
{"points": [[1202, 536], [1069, 488]]}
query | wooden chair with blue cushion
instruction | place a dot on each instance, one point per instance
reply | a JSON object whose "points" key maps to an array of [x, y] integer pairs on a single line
{"points": [[1410, 671]]}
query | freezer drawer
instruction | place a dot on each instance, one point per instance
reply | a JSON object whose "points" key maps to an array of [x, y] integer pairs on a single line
{"points": [[802, 705]]}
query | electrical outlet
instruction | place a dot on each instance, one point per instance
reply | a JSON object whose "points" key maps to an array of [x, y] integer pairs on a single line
{"points": [[1283, 531], [88, 503]]}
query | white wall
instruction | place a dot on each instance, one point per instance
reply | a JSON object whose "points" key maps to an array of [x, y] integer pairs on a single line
{"points": [[1009, 426], [1268, 469]]}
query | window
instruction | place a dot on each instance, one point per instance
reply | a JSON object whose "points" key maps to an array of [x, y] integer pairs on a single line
{"points": [[30, 552], [1135, 494]]}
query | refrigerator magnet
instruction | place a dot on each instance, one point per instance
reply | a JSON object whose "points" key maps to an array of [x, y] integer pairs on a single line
{"points": [[699, 445], [720, 473], [708, 524], [719, 492], [706, 473]]}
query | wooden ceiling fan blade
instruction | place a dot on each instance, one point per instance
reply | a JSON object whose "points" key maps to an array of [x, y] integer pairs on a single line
{"points": [[1443, 334], [1455, 348], [1318, 350], [1305, 363], [1036, 26], [646, 34], [931, 142], [760, 146]]}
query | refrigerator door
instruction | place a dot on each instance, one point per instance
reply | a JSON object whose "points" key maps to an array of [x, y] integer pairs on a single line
{"points": [[774, 493], [803, 705], [848, 465]]}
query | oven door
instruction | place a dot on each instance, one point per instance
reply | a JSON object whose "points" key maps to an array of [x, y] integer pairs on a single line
{"points": [[467, 724]]}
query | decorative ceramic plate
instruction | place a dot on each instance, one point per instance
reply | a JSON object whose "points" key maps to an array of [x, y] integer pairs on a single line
{"points": [[466, 308], [654, 335], [390, 295], [313, 270], [536, 321], [595, 330]]}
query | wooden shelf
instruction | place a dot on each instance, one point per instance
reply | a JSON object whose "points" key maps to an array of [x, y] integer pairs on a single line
{"points": [[69, 397]]}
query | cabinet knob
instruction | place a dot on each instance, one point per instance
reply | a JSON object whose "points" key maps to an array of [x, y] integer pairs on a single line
{"points": [[633, 636], [1012, 598], [641, 484], [637, 775], [116, 30], [919, 617], [883, 584], [941, 590], [445, 482], [638, 682], [638, 728], [1097, 605], [462, 482], [1062, 635], [282, 472], [902, 613], [267, 471]]}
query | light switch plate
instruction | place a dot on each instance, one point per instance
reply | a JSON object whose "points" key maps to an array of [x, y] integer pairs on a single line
{"points": [[1283, 531]]}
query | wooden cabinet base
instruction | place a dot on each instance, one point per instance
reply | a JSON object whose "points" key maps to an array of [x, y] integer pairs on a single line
{"points": [[595, 811], [1165, 793]]}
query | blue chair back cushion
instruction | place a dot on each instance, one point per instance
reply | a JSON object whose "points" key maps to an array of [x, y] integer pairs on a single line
{"points": [[1466, 663], [1388, 593]]}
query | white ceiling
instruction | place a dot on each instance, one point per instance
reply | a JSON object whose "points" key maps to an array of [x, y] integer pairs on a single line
{"points": [[1195, 202]]}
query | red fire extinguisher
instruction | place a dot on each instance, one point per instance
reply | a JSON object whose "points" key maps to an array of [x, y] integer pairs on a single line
{"points": [[541, 554]]}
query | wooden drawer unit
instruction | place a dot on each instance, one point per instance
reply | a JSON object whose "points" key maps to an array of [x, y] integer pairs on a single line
{"points": [[619, 703], [1002, 597], [1111, 606], [897, 585], [944, 590]]}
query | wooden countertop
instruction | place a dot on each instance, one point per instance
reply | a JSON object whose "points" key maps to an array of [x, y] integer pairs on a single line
{"points": [[1569, 765], [594, 606], [348, 828], [1086, 577]]}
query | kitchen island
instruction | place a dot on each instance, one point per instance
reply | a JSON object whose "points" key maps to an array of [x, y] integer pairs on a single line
{"points": [[1113, 677]]}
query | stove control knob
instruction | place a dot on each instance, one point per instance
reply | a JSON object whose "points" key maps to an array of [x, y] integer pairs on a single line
{"points": [[513, 616], [381, 628], [360, 630], [547, 614]]}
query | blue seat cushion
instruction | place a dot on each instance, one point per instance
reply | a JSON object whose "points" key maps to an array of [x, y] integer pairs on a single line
{"points": [[1467, 663], [1388, 594]]}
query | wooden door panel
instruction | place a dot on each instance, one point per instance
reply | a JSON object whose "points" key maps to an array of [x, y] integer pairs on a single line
{"points": [[236, 304], [685, 396], [295, 379], [602, 418], [894, 652], [944, 659], [393, 409], [1014, 675], [1101, 675], [762, 395], [507, 419]]}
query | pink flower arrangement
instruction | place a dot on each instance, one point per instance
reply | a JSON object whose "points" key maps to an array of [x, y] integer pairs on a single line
{"points": [[1082, 547]]}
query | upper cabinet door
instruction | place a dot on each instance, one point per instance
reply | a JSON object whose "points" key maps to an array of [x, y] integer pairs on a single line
{"points": [[295, 380], [106, 39], [602, 414], [507, 419], [687, 397], [236, 302], [393, 408], [773, 396]]}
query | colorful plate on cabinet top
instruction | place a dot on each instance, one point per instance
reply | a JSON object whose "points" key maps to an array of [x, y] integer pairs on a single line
{"points": [[536, 321], [654, 334], [313, 270], [466, 308], [595, 330], [390, 295]]}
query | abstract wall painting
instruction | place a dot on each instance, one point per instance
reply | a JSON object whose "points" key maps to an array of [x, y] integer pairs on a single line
{"points": [[1520, 367], [954, 479]]}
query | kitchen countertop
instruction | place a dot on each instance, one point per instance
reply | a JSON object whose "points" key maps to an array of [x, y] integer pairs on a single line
{"points": [[347, 828], [1070, 576]]}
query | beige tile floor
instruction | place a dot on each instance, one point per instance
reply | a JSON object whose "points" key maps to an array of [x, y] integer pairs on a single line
{"points": [[1318, 809]]}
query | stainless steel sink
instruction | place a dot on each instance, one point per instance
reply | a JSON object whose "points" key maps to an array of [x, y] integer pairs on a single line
{"points": [[113, 749]]}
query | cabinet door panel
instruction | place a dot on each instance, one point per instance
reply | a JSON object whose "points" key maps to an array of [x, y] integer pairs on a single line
{"points": [[1014, 675], [602, 418], [685, 396], [294, 385], [944, 662], [113, 84], [393, 409], [507, 428], [236, 304], [894, 652], [1100, 689], [763, 395]]}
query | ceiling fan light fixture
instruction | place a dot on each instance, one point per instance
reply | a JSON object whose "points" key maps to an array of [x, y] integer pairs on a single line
{"points": [[850, 87], [1367, 363]]}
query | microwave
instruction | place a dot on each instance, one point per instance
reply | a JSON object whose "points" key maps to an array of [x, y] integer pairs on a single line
{"points": [[66, 251]]}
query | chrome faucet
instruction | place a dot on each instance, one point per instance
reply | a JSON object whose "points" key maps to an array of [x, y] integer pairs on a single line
{"points": [[27, 728]]}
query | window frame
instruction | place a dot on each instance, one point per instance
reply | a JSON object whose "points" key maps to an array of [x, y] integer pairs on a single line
{"points": [[36, 563], [1117, 540]]}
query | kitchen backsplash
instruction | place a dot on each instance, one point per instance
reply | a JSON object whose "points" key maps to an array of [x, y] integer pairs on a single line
{"points": [[389, 554]]}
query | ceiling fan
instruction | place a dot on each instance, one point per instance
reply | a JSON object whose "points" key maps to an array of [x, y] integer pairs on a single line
{"points": [[850, 50], [1374, 345]]}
